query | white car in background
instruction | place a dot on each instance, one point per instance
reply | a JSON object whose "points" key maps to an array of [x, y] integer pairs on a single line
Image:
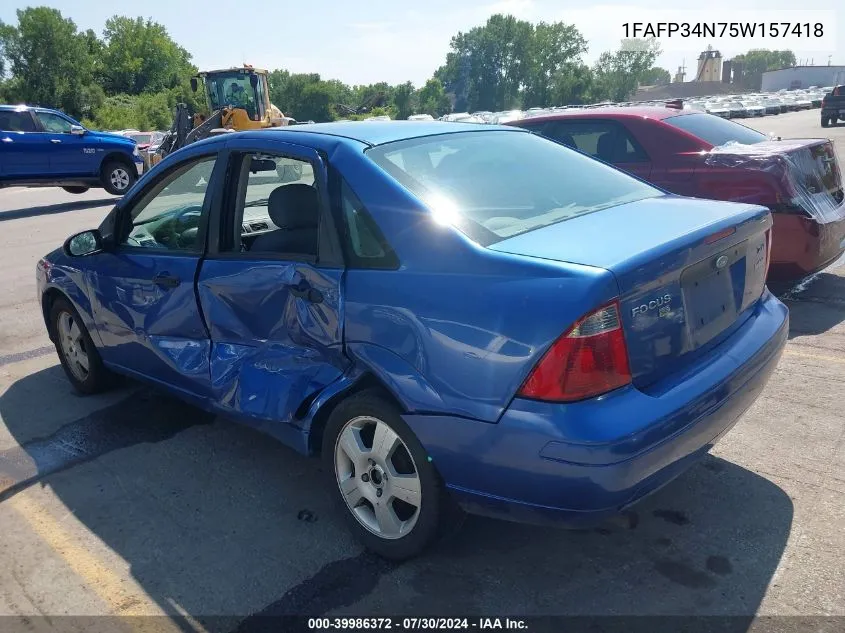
{"points": [[421, 117]]}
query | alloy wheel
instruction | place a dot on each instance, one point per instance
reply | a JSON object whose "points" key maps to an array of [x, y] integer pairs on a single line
{"points": [[119, 178], [377, 477], [73, 347]]}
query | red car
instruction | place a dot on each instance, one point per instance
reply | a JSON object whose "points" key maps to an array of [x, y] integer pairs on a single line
{"points": [[691, 153]]}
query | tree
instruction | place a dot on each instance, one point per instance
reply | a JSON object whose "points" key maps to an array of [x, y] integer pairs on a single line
{"points": [[432, 98], [509, 63], [405, 100], [655, 76], [489, 66], [757, 61], [617, 75], [317, 102], [572, 84], [50, 62], [556, 54], [139, 56]]}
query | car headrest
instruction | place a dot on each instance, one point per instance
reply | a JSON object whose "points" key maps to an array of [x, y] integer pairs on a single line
{"points": [[605, 146], [294, 206]]}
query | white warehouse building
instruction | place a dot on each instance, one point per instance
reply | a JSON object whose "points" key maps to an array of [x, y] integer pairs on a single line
{"points": [[803, 77]]}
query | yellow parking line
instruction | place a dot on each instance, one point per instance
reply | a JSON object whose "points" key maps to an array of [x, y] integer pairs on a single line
{"points": [[121, 597], [833, 359]]}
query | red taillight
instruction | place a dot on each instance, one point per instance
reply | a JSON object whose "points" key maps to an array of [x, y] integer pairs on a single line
{"points": [[715, 237], [588, 360]]}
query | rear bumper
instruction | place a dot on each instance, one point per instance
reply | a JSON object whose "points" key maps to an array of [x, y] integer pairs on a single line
{"points": [[575, 464], [803, 246]]}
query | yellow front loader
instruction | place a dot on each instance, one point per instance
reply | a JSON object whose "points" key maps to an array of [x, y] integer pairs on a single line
{"points": [[236, 98]]}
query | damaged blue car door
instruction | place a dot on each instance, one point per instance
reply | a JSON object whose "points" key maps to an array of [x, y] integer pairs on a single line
{"points": [[143, 287], [270, 287]]}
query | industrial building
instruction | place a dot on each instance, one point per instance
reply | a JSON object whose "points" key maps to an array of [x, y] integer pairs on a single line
{"points": [[709, 65], [803, 77]]}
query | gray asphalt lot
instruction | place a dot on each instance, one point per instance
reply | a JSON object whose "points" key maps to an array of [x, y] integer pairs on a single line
{"points": [[132, 503]]}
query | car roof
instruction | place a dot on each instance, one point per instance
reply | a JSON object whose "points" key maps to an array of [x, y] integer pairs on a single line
{"points": [[380, 132], [25, 108], [638, 112]]}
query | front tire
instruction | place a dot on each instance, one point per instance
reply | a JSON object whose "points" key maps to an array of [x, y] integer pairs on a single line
{"points": [[117, 177], [825, 122], [387, 489], [79, 357], [75, 189]]}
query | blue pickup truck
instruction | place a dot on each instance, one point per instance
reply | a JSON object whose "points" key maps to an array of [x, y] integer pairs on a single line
{"points": [[45, 148]]}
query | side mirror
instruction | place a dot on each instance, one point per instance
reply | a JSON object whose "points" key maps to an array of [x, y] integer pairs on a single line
{"points": [[253, 80], [194, 84], [77, 130], [84, 244]]}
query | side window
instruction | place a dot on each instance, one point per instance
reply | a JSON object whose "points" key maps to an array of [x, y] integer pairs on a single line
{"points": [[16, 121], [170, 214], [276, 207], [605, 140], [365, 245], [54, 123]]}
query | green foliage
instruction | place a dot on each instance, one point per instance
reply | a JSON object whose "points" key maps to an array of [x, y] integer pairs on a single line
{"points": [[432, 98], [49, 60], [757, 61], [139, 56], [510, 63], [617, 75], [655, 76]]}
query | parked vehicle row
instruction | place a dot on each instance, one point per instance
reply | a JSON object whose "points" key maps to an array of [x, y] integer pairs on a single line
{"points": [[725, 106], [43, 147]]}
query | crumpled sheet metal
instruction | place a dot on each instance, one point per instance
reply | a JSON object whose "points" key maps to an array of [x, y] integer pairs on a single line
{"points": [[808, 167]]}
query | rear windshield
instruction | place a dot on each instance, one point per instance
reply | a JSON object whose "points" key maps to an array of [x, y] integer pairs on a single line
{"points": [[495, 184], [715, 130]]}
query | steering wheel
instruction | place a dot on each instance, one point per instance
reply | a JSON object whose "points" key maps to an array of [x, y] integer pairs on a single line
{"points": [[174, 234]]}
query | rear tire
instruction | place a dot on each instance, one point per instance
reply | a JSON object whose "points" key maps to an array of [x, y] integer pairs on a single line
{"points": [[117, 177], [76, 189], [79, 357], [393, 499]]}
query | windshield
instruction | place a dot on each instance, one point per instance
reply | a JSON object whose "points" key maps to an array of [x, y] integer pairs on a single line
{"points": [[141, 139], [494, 184], [231, 89], [715, 130]]}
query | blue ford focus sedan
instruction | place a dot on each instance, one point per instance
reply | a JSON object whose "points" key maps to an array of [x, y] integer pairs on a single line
{"points": [[453, 316]]}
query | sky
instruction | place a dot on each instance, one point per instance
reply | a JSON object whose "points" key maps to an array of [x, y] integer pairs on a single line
{"points": [[395, 41]]}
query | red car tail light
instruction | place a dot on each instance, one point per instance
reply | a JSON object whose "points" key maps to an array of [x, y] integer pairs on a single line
{"points": [[590, 359], [715, 237]]}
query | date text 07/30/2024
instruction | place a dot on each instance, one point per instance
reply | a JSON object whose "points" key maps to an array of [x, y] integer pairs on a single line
{"points": [[416, 624]]}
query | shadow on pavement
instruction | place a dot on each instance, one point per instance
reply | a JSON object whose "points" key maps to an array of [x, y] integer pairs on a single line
{"points": [[48, 209], [816, 306], [214, 519]]}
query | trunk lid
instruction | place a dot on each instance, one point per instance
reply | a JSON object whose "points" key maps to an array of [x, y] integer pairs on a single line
{"points": [[807, 169], [687, 271]]}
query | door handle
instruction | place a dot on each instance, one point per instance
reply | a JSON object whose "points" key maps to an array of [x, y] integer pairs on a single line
{"points": [[166, 280], [306, 291], [55, 140]]}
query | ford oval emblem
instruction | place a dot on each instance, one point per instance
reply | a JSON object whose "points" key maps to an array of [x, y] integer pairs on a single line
{"points": [[721, 262]]}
